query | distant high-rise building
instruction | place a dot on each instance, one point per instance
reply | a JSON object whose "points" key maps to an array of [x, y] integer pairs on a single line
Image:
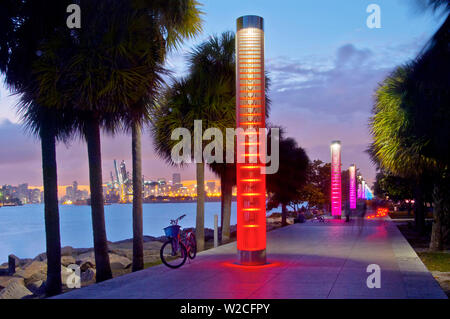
{"points": [[176, 178], [35, 196], [69, 193], [211, 186], [123, 171]]}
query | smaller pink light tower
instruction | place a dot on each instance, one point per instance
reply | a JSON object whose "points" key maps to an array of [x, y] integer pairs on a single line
{"points": [[352, 190], [359, 191], [363, 190], [336, 194]]}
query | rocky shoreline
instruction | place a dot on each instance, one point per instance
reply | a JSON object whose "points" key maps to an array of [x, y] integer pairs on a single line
{"points": [[27, 280]]}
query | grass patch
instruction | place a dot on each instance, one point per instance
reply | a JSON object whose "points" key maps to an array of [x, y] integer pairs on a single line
{"points": [[152, 263], [436, 261]]}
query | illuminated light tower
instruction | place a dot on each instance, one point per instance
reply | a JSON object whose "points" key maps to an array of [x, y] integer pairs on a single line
{"points": [[360, 187], [352, 190], [359, 191], [250, 116], [363, 190], [336, 193]]}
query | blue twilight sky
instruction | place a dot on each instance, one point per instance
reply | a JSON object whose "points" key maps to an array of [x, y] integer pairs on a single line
{"points": [[324, 62]]}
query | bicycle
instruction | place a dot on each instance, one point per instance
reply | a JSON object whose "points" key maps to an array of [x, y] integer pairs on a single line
{"points": [[318, 218], [176, 249]]}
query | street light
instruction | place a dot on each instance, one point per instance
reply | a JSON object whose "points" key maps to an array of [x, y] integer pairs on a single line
{"points": [[336, 193], [352, 186], [250, 116]]}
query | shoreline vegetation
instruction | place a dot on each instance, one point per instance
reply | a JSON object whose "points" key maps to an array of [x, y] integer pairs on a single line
{"points": [[28, 280]]}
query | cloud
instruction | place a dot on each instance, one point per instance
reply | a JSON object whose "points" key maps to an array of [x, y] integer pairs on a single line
{"points": [[320, 99]]}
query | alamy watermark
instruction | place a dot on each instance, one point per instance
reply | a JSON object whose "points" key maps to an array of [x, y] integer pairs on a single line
{"points": [[374, 19], [74, 19], [251, 146], [374, 279]]}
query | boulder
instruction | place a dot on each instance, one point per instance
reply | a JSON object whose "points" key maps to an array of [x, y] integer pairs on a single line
{"points": [[37, 287], [88, 276], [65, 273], [87, 265], [86, 260], [119, 262], [67, 251], [15, 290], [33, 271], [5, 280], [78, 251], [88, 256], [67, 260], [41, 257]]}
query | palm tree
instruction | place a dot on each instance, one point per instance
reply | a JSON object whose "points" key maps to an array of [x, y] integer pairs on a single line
{"points": [[172, 23], [406, 135], [178, 108], [214, 62], [284, 186], [109, 70], [207, 93], [24, 25], [392, 149], [426, 104]]}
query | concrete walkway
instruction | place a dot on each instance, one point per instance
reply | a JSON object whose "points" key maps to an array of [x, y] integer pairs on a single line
{"points": [[311, 260]]}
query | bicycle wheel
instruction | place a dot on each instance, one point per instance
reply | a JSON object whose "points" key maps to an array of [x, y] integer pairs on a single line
{"points": [[173, 254], [192, 246]]}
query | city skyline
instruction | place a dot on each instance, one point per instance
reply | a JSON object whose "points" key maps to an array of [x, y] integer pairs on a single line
{"points": [[324, 79]]}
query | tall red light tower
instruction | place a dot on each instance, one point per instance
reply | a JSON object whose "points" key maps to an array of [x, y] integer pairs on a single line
{"points": [[250, 116], [336, 193]]}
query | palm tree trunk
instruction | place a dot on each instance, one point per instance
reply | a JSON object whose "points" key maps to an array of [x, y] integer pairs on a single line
{"points": [[138, 236], [441, 224], [419, 214], [200, 219], [283, 215], [222, 205], [98, 213], [52, 231], [227, 190]]}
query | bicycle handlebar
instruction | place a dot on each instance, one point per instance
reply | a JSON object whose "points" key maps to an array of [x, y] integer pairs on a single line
{"points": [[175, 221]]}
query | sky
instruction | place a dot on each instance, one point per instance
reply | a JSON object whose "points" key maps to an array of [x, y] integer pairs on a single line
{"points": [[324, 64]]}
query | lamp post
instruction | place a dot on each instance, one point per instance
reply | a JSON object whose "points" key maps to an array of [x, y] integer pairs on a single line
{"points": [[250, 116], [352, 190], [336, 193], [363, 187]]}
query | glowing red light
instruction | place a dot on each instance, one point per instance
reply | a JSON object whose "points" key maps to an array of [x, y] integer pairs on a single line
{"points": [[250, 114]]}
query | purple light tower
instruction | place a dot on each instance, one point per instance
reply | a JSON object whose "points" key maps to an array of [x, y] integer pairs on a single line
{"points": [[352, 190]]}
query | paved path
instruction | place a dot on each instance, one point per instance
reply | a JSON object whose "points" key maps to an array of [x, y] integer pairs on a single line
{"points": [[311, 260]]}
